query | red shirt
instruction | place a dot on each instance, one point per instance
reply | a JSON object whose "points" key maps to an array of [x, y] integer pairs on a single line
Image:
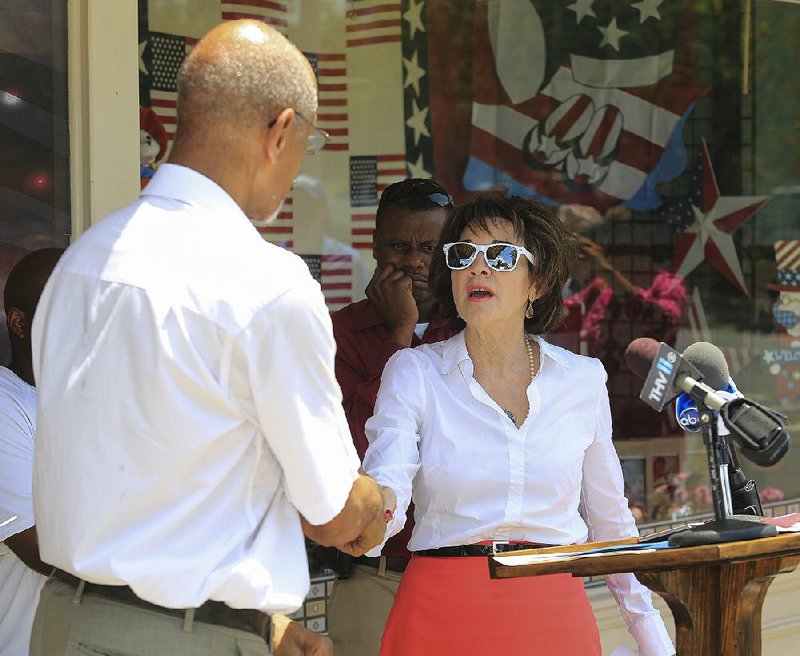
{"points": [[362, 350]]}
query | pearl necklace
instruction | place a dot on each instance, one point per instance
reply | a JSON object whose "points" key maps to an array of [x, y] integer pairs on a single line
{"points": [[532, 367]]}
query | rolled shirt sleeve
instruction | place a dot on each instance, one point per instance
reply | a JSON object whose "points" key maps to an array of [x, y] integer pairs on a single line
{"points": [[298, 401], [393, 457], [608, 517]]}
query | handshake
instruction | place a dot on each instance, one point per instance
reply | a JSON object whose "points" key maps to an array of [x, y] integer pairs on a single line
{"points": [[361, 525]]}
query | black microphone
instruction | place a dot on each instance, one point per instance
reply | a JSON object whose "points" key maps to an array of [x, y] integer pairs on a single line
{"points": [[710, 362], [759, 431]]}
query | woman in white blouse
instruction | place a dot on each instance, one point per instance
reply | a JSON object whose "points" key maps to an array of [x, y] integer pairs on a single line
{"points": [[499, 436]]}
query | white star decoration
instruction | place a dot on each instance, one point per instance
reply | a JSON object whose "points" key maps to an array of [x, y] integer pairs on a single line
{"points": [[648, 9], [142, 67], [414, 17], [417, 122], [611, 34], [582, 9], [710, 236], [413, 73], [417, 169]]}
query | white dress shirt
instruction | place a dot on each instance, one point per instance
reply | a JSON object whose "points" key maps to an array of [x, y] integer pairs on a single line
{"points": [[19, 584], [476, 476], [188, 408]]}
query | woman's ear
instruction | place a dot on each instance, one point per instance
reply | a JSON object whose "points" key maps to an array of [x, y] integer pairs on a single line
{"points": [[17, 322]]}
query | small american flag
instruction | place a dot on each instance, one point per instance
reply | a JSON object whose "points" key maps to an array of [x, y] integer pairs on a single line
{"points": [[332, 116], [370, 22], [334, 273], [267, 11], [281, 231], [166, 54], [369, 176]]}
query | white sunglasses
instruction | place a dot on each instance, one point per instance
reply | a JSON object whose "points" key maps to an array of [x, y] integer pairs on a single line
{"points": [[500, 257]]}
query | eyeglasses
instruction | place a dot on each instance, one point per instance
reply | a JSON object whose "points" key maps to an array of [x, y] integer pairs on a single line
{"points": [[500, 257], [317, 138]]}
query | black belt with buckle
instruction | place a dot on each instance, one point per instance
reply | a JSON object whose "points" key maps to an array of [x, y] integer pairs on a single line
{"points": [[478, 549], [393, 563], [211, 612]]}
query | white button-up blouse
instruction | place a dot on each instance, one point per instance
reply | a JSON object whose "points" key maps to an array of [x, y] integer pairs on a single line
{"points": [[475, 476]]}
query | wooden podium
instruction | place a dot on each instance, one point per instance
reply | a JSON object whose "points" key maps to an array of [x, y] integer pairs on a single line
{"points": [[715, 592]]}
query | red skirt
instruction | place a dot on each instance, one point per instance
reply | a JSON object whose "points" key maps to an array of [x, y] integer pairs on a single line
{"points": [[451, 606]]}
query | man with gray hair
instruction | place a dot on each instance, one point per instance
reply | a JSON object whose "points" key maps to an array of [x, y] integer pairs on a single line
{"points": [[190, 427]]}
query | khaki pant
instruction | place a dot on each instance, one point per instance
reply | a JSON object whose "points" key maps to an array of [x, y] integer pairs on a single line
{"points": [[68, 623], [358, 609]]}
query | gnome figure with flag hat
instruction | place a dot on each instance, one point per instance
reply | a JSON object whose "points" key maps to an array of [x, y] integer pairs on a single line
{"points": [[152, 144]]}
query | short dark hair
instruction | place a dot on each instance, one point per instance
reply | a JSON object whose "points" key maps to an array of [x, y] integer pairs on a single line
{"points": [[417, 194], [543, 234]]}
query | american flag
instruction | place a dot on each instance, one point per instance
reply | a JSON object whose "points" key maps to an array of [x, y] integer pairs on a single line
{"points": [[332, 116], [371, 22], [616, 78], [334, 273], [267, 11], [163, 58], [698, 331], [369, 176], [281, 230]]}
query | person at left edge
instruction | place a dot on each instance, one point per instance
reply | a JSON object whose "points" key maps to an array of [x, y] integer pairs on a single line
{"points": [[22, 572], [399, 311], [189, 422]]}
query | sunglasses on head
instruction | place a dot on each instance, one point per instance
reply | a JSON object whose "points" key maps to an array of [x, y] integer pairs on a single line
{"points": [[408, 189], [500, 257]]}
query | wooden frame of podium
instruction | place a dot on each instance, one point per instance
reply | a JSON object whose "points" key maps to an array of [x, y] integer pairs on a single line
{"points": [[715, 592]]}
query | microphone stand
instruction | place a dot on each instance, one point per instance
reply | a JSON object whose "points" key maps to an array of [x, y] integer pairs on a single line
{"points": [[725, 527]]}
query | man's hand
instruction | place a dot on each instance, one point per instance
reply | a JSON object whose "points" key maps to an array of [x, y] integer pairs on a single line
{"points": [[363, 506], [375, 532], [390, 291], [292, 639]]}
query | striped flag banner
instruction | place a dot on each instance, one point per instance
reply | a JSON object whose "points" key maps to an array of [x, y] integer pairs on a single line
{"points": [[335, 275], [332, 116], [369, 176], [281, 231], [167, 54], [736, 357], [371, 22], [267, 11]]}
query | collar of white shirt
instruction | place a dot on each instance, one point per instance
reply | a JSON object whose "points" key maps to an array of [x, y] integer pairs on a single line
{"points": [[185, 185], [455, 352]]}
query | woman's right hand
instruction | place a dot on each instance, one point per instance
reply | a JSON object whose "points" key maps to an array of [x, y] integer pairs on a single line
{"points": [[389, 502]]}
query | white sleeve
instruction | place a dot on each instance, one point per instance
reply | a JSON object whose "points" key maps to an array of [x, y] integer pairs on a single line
{"points": [[608, 517], [290, 351], [393, 431], [16, 468]]}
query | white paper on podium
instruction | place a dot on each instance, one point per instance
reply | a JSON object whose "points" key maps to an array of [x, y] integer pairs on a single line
{"points": [[513, 560]]}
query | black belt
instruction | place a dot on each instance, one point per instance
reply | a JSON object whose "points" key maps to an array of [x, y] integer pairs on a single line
{"points": [[393, 563], [477, 549], [211, 612]]}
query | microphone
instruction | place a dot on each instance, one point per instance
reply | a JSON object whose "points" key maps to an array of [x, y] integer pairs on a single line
{"points": [[667, 374], [758, 430], [711, 363]]}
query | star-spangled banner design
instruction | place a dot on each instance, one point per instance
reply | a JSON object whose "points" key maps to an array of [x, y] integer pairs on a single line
{"points": [[706, 222], [580, 102], [416, 91]]}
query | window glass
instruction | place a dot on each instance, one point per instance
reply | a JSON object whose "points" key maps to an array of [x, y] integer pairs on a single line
{"points": [[664, 134], [34, 155]]}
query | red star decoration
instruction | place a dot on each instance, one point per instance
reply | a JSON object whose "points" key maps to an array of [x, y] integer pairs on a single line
{"points": [[715, 220]]}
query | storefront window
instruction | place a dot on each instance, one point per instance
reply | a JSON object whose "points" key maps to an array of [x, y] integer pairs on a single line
{"points": [[34, 155], [664, 134]]}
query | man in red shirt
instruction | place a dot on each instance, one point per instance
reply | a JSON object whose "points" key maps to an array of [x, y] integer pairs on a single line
{"points": [[399, 312]]}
